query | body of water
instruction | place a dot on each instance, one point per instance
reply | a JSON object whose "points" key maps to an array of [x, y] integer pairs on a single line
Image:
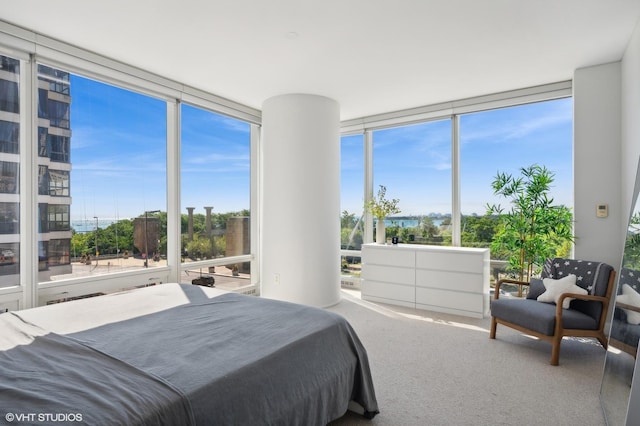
{"points": [[89, 225], [408, 223]]}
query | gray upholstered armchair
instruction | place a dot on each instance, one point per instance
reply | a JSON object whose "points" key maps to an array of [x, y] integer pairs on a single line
{"points": [[570, 299]]}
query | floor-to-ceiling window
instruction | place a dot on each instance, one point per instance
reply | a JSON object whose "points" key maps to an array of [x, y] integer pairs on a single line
{"points": [[351, 202], [441, 170], [413, 163], [9, 171], [99, 132], [102, 190], [505, 140], [215, 196], [94, 175]]}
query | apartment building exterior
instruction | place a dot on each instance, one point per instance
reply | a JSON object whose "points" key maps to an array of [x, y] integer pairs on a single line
{"points": [[54, 169]]}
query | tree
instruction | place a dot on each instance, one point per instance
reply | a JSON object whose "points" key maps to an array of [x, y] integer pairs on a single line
{"points": [[350, 231], [199, 223], [478, 231], [351, 239], [116, 237], [348, 220], [632, 244], [534, 227], [80, 243], [404, 235], [219, 245], [199, 248], [429, 229]]}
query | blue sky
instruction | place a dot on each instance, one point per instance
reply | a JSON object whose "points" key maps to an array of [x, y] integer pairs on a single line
{"points": [[118, 155], [414, 162], [118, 151], [215, 161]]}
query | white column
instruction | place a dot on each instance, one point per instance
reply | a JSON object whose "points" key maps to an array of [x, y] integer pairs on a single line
{"points": [[300, 199]]}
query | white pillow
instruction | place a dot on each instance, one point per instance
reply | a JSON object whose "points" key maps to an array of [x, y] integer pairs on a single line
{"points": [[630, 297], [555, 288]]}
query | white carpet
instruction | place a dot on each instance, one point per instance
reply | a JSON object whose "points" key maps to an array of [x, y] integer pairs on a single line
{"points": [[439, 369]]}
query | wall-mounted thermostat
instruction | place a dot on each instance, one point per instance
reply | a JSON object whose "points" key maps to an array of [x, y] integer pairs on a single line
{"points": [[602, 210]]}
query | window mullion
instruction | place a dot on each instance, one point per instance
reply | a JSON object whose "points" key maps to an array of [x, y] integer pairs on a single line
{"points": [[368, 185], [456, 238], [173, 190], [29, 186]]}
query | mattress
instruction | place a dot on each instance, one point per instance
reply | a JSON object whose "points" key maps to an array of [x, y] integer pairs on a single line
{"points": [[182, 354]]}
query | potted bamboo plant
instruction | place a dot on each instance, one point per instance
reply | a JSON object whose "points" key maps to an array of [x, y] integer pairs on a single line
{"points": [[534, 228]]}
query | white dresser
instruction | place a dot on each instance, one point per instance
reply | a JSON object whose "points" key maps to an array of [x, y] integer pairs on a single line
{"points": [[444, 279]]}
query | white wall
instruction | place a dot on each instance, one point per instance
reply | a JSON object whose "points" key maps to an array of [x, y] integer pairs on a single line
{"points": [[630, 119], [630, 71], [300, 199], [597, 162]]}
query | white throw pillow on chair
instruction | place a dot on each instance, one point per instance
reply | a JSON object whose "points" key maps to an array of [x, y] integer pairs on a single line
{"points": [[555, 288], [630, 297]]}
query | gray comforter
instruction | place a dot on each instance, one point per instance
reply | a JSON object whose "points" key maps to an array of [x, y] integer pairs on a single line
{"points": [[226, 360]]}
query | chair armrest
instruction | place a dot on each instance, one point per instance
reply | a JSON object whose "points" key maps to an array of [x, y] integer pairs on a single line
{"points": [[496, 292], [583, 297], [626, 306], [587, 297]]}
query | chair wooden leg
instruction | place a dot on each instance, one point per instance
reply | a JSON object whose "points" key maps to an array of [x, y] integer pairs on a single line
{"points": [[603, 341], [555, 350], [492, 332]]}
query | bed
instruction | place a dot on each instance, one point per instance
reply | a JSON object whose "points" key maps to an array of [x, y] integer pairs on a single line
{"points": [[179, 354]]}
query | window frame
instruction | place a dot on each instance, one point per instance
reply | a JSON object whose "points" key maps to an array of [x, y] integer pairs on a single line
{"points": [[447, 110], [31, 49], [253, 184]]}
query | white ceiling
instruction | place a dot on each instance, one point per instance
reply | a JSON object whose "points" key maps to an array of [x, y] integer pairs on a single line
{"points": [[372, 56]]}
